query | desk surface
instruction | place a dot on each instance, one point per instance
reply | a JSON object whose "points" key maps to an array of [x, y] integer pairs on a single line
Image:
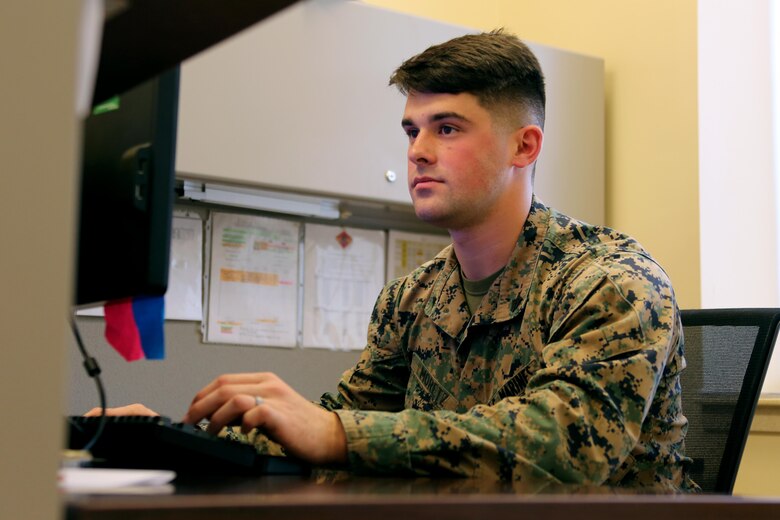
{"points": [[346, 497]]}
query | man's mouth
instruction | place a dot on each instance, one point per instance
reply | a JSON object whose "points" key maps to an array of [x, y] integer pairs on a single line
{"points": [[423, 181]]}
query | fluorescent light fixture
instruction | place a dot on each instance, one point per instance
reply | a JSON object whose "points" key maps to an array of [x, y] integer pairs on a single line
{"points": [[263, 200]]}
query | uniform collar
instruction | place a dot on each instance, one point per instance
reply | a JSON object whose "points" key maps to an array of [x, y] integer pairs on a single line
{"points": [[506, 298]]}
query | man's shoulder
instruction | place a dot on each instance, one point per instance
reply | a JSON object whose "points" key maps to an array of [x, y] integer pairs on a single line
{"points": [[587, 264], [573, 236], [576, 248]]}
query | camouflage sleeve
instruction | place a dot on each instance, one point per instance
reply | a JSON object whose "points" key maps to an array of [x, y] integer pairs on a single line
{"points": [[609, 330], [256, 438], [378, 380]]}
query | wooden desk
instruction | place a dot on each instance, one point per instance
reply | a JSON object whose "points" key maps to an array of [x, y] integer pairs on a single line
{"points": [[346, 497]]}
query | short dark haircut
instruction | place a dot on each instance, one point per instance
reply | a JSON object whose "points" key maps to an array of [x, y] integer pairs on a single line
{"points": [[496, 67]]}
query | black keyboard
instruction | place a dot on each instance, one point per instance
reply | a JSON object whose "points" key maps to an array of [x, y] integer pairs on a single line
{"points": [[159, 443]]}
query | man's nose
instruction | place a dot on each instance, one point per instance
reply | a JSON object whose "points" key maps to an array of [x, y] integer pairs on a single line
{"points": [[422, 150]]}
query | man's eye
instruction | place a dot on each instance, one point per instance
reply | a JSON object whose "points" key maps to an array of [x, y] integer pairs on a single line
{"points": [[448, 130], [412, 133]]}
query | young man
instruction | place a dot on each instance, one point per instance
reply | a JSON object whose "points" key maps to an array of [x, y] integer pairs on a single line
{"points": [[536, 348]]}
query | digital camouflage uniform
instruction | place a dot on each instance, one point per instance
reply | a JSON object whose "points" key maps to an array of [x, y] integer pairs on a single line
{"points": [[567, 372]]}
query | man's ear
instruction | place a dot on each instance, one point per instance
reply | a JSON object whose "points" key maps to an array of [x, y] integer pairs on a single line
{"points": [[527, 142]]}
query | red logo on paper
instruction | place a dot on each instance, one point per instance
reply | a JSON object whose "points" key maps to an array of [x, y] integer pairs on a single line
{"points": [[344, 239]]}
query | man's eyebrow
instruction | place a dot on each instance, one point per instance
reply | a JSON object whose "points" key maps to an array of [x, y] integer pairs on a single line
{"points": [[448, 115], [437, 117]]}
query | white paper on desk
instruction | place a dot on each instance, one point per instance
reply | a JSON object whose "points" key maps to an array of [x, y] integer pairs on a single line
{"points": [[184, 297], [253, 281], [407, 251], [83, 480], [344, 272]]}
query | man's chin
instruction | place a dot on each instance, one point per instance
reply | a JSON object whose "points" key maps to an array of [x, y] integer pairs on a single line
{"points": [[432, 217]]}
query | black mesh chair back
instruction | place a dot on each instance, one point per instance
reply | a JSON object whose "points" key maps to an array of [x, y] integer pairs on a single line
{"points": [[728, 352]]}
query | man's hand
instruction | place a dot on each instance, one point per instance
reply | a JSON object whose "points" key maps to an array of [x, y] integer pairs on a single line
{"points": [[131, 409], [303, 428]]}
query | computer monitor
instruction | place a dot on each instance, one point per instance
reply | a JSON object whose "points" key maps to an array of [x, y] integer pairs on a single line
{"points": [[127, 194]]}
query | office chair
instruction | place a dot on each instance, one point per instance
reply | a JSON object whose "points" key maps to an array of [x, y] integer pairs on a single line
{"points": [[728, 351]]}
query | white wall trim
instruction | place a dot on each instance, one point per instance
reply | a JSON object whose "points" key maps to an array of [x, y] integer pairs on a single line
{"points": [[738, 216]]}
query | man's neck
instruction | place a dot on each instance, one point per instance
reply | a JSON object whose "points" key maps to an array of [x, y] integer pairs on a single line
{"points": [[486, 248]]}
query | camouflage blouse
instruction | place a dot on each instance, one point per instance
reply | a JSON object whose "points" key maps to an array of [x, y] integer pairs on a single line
{"points": [[568, 371]]}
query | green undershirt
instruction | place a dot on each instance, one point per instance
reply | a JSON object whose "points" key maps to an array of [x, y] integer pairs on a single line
{"points": [[477, 289]]}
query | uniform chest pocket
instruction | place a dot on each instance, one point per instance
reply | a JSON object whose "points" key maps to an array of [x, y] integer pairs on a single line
{"points": [[425, 392], [517, 383]]}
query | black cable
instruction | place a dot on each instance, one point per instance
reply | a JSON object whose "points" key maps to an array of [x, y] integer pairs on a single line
{"points": [[93, 370]]}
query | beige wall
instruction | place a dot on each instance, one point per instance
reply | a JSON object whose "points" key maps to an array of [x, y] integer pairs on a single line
{"points": [[649, 48], [37, 146], [758, 469]]}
